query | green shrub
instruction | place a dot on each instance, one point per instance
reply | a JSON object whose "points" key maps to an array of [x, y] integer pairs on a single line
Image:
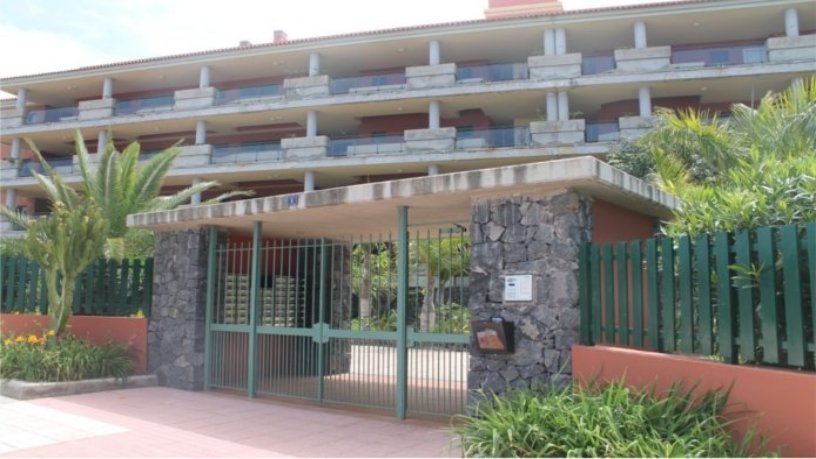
{"points": [[39, 358], [452, 318], [610, 421]]}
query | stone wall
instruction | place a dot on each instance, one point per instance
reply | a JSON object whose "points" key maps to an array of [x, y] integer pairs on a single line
{"points": [[530, 235], [175, 334]]}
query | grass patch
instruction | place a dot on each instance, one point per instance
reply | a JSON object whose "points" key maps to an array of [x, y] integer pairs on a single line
{"points": [[48, 359], [608, 421]]}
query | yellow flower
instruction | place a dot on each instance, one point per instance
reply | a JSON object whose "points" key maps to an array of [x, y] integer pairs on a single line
{"points": [[8, 342], [51, 333], [19, 339], [33, 339]]}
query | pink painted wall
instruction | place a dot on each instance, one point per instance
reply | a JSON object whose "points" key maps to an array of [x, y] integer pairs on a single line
{"points": [[784, 400], [130, 331]]}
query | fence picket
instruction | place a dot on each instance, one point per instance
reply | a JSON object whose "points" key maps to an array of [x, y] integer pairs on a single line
{"points": [[653, 297], [810, 243], [595, 291], [794, 320], [623, 294], [726, 325], [583, 295], [147, 299], [766, 257], [745, 297], [685, 287], [609, 289], [11, 284], [31, 288], [637, 293], [667, 280], [702, 255]]}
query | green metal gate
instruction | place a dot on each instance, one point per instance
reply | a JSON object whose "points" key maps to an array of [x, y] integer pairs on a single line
{"points": [[375, 321]]}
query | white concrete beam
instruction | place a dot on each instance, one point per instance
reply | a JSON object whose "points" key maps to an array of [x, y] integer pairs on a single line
{"points": [[16, 145], [433, 169], [563, 106], [434, 56], [552, 106], [11, 198], [196, 199], [309, 181], [560, 41], [645, 101], [102, 141], [107, 88], [22, 99], [314, 64], [791, 22], [201, 132], [640, 35], [549, 42], [433, 115], [311, 124], [204, 77]]}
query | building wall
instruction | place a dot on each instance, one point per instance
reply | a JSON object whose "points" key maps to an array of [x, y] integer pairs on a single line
{"points": [[782, 403], [611, 223]]}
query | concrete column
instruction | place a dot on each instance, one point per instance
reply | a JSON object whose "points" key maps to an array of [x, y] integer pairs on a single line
{"points": [[196, 199], [433, 53], [22, 99], [11, 198], [560, 41], [645, 102], [309, 181], [433, 169], [107, 88], [640, 35], [204, 77], [791, 22], [433, 115], [314, 64], [201, 132], [549, 42], [563, 106], [311, 124], [16, 145], [102, 141], [552, 106]]}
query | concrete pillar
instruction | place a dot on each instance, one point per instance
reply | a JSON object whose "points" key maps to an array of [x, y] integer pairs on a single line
{"points": [[204, 77], [22, 99], [196, 199], [309, 181], [433, 115], [549, 42], [560, 41], [201, 132], [791, 22], [314, 64], [433, 53], [552, 106], [102, 141], [645, 102], [640, 35], [107, 88], [433, 169], [11, 198], [16, 145], [563, 106], [311, 124]]}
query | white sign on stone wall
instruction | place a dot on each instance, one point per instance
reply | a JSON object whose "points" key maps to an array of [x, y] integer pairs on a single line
{"points": [[518, 288]]}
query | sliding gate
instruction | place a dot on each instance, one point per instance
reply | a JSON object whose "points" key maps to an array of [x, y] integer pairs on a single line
{"points": [[375, 321]]}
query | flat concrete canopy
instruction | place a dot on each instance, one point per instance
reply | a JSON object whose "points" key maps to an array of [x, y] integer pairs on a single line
{"points": [[433, 201]]}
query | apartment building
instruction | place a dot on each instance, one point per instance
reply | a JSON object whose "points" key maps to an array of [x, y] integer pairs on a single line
{"points": [[527, 83]]}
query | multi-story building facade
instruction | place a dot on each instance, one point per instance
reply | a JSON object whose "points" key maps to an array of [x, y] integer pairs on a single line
{"points": [[528, 83]]}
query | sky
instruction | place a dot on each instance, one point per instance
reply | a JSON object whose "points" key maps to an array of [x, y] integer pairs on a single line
{"points": [[49, 35]]}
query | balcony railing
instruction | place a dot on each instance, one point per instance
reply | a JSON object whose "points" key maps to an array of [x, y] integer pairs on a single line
{"points": [[372, 145], [492, 72], [602, 131], [62, 166], [599, 63], [712, 55], [493, 137], [246, 152], [366, 83], [50, 115], [126, 107], [226, 96]]}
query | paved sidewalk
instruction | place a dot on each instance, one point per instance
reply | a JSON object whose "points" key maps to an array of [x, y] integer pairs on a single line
{"points": [[162, 422]]}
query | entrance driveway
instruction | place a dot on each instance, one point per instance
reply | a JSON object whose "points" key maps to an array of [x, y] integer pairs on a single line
{"points": [[162, 422]]}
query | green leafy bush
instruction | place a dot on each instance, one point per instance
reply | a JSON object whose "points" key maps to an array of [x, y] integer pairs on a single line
{"points": [[42, 358], [610, 421], [452, 318]]}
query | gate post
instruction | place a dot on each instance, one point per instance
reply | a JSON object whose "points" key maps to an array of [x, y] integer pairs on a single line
{"points": [[210, 301], [402, 311], [254, 288]]}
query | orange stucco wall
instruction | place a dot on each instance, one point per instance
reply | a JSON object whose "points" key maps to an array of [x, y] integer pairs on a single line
{"points": [[611, 223], [785, 400], [130, 331]]}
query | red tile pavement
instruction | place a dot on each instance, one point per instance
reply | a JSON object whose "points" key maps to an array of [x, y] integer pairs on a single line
{"points": [[164, 422]]}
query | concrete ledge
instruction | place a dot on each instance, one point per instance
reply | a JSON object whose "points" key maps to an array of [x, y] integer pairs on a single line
{"points": [[307, 87], [801, 48], [644, 59], [429, 134], [186, 99], [12, 118], [23, 390], [96, 109], [304, 142], [560, 66], [430, 70], [430, 76], [635, 122]]}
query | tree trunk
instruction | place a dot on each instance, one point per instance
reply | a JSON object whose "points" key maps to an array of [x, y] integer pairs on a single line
{"points": [[427, 316], [365, 295]]}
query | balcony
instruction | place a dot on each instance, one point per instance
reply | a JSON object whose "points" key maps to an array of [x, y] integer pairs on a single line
{"points": [[602, 131], [719, 55], [248, 152], [491, 72], [51, 115], [63, 166], [368, 83], [146, 104], [227, 96], [493, 137], [370, 145], [599, 63]]}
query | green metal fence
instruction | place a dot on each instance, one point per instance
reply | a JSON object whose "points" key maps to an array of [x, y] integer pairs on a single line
{"points": [[106, 288], [376, 321], [743, 298]]}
